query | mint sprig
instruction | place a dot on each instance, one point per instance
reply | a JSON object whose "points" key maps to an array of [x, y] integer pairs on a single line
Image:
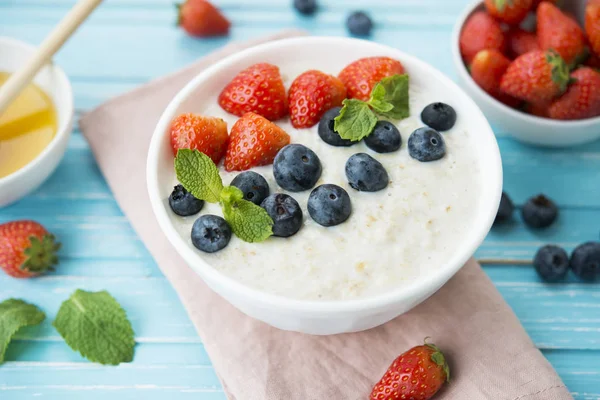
{"points": [[200, 176], [389, 98], [248, 221], [95, 325], [14, 315]]}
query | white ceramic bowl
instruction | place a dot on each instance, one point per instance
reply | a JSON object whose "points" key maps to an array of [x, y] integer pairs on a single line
{"points": [[13, 55], [524, 127], [320, 317]]}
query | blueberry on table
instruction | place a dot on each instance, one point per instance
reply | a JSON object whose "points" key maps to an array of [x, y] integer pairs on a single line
{"points": [[539, 212], [551, 263], [585, 261], [426, 144], [439, 116], [329, 205], [253, 185], [385, 138], [326, 131], [183, 203], [296, 168], [505, 210], [366, 174], [359, 23], [285, 212], [306, 7], [210, 233]]}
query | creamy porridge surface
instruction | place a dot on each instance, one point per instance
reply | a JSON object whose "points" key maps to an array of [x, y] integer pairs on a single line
{"points": [[393, 236]]}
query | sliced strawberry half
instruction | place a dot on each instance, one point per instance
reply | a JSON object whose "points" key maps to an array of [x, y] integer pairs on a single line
{"points": [[311, 95], [362, 75], [254, 141], [258, 89]]}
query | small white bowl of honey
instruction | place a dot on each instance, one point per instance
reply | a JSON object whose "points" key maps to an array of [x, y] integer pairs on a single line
{"points": [[35, 128]]}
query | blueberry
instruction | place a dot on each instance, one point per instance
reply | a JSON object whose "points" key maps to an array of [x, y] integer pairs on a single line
{"points": [[439, 116], [329, 205], [253, 185], [306, 7], [183, 203], [425, 144], [285, 212], [551, 263], [585, 261], [539, 212], [210, 233], [359, 23], [365, 173], [505, 210], [326, 132], [296, 168], [385, 138]]}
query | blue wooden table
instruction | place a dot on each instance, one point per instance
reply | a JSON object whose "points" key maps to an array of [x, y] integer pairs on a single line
{"points": [[128, 42]]}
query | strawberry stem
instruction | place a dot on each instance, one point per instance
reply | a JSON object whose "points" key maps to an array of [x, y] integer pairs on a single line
{"points": [[179, 14], [560, 70], [438, 357], [41, 254]]}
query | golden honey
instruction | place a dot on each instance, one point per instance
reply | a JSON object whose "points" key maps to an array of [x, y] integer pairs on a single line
{"points": [[26, 128]]}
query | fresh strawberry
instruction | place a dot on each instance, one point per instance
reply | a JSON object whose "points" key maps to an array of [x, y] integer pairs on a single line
{"points": [[362, 75], [559, 32], [27, 249], [592, 26], [509, 11], [417, 374], [487, 69], [205, 134], [520, 42], [582, 99], [536, 77], [258, 89], [481, 32], [254, 141], [311, 95], [200, 18]]}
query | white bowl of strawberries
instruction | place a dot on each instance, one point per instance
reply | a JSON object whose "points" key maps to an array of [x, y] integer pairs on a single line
{"points": [[532, 67]]}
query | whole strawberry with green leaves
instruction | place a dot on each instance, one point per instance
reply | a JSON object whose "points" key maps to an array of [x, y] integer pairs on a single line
{"points": [[417, 374], [537, 77], [27, 249]]}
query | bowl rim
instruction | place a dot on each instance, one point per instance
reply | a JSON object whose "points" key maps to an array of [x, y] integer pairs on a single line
{"points": [[492, 102], [63, 130], [427, 284]]}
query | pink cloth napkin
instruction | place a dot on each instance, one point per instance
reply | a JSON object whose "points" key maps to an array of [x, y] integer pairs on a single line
{"points": [[491, 356]]}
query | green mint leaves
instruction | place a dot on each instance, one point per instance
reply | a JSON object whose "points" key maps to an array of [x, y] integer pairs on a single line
{"points": [[389, 98], [356, 120], [92, 323], [95, 325], [392, 90], [14, 315], [200, 176], [248, 221]]}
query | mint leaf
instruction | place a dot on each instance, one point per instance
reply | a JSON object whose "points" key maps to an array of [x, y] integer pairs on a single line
{"points": [[395, 92], [231, 194], [95, 325], [378, 102], [199, 175], [356, 120], [248, 221], [14, 315]]}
